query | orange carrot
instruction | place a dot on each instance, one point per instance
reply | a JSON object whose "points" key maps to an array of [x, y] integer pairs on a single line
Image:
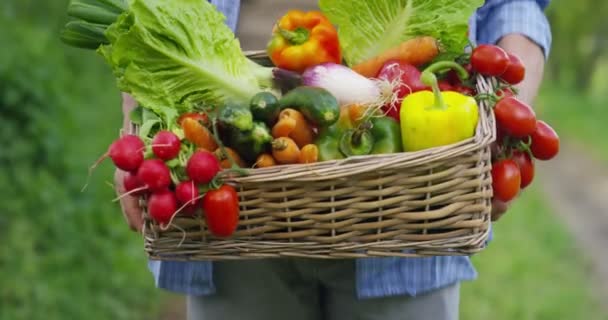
{"points": [[285, 150], [225, 160], [301, 133], [416, 51], [198, 134], [265, 160], [284, 127], [309, 154]]}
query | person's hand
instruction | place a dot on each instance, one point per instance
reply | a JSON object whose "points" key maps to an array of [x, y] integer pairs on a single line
{"points": [[499, 208], [129, 204]]}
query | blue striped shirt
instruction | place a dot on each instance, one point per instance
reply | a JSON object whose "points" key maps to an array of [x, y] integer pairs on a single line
{"points": [[378, 277]]}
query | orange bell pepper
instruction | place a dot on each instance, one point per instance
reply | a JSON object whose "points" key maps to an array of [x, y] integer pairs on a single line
{"points": [[303, 39]]}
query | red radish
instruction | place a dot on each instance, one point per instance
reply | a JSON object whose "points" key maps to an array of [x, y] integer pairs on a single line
{"points": [[202, 167], [408, 77], [131, 182], [127, 153], [444, 85], [166, 145], [154, 174], [187, 193], [162, 205]]}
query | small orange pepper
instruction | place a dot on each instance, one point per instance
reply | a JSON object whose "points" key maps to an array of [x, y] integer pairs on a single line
{"points": [[303, 39]]}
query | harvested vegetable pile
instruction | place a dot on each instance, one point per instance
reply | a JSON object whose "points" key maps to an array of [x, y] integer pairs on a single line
{"points": [[205, 108]]}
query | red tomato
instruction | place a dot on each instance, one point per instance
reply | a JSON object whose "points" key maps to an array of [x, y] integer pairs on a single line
{"points": [[515, 72], [489, 60], [514, 117], [503, 93], [506, 180], [526, 167], [545, 142], [221, 209]]}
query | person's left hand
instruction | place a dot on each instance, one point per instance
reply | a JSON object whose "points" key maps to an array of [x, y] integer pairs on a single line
{"points": [[499, 208]]}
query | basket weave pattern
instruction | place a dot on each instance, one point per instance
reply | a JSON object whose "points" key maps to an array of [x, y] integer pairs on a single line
{"points": [[431, 202]]}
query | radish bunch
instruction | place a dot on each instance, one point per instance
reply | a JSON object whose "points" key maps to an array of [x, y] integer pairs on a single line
{"points": [[151, 176]]}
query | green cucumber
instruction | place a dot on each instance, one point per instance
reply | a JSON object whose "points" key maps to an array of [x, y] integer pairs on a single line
{"points": [[316, 104], [265, 107]]}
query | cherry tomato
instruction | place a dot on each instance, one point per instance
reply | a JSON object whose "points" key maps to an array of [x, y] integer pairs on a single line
{"points": [[515, 72], [201, 117], [526, 167], [506, 180], [545, 142], [514, 117], [489, 60], [503, 93], [221, 209]]}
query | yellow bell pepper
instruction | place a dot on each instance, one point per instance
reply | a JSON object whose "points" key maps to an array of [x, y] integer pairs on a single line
{"points": [[432, 119]]}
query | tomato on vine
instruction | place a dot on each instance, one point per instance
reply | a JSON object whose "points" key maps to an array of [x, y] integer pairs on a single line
{"points": [[526, 167], [489, 60], [506, 179], [545, 142], [514, 117], [515, 72]]}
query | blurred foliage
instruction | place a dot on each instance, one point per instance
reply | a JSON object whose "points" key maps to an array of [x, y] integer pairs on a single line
{"points": [[580, 45], [532, 270], [64, 254]]}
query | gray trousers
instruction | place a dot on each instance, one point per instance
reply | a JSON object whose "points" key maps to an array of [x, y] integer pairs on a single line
{"points": [[294, 289]]}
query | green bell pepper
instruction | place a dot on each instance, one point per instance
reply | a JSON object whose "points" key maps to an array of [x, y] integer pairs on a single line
{"points": [[387, 135], [328, 141]]}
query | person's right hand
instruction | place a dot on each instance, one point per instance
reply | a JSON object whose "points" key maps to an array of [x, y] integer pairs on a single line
{"points": [[129, 204]]}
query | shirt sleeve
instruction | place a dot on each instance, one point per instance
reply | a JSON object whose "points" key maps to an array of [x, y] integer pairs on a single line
{"points": [[499, 18]]}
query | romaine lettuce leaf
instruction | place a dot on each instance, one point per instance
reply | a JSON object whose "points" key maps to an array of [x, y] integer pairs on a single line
{"points": [[169, 53], [368, 28]]}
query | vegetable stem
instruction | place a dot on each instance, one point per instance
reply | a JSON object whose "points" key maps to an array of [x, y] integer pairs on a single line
{"points": [[428, 77], [295, 37]]}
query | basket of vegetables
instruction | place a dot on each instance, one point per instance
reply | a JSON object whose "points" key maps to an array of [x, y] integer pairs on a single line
{"points": [[367, 143]]}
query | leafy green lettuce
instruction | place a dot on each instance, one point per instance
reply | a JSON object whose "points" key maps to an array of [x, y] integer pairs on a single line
{"points": [[368, 28], [169, 53]]}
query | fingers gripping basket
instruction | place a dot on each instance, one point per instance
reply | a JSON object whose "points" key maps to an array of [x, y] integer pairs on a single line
{"points": [[431, 202]]}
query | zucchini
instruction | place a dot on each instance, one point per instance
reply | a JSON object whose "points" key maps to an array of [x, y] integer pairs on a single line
{"points": [[316, 104], [265, 107]]}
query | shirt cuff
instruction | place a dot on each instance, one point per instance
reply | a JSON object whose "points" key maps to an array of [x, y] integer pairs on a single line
{"points": [[521, 17]]}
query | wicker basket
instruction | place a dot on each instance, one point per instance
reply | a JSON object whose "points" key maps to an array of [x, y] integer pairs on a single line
{"points": [[431, 202]]}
